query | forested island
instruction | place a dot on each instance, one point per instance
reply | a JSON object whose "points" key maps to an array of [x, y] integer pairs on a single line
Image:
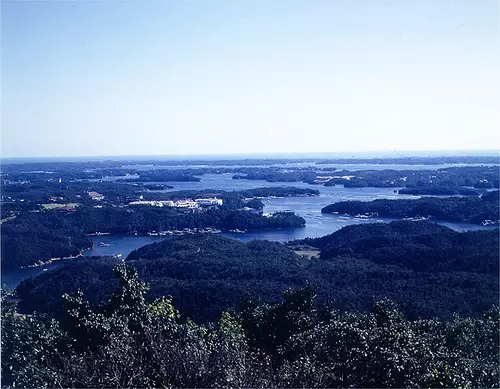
{"points": [[272, 175], [20, 197], [49, 240], [484, 177], [237, 197], [417, 160], [161, 175], [110, 166], [480, 177], [62, 232], [476, 210], [452, 180]]}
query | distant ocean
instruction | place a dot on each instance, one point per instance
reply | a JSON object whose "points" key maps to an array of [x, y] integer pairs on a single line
{"points": [[212, 157]]}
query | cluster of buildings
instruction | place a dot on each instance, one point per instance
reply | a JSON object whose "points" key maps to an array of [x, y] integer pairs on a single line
{"points": [[6, 181], [180, 203], [325, 179]]}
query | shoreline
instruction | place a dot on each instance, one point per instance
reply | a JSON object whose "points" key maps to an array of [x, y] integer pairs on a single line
{"points": [[41, 263]]}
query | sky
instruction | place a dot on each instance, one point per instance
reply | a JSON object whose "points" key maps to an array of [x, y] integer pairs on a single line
{"points": [[96, 78]]}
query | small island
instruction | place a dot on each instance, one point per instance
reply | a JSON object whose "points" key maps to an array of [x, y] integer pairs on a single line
{"points": [[476, 210]]}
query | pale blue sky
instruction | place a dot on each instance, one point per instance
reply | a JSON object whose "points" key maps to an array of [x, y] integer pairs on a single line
{"points": [[213, 77]]}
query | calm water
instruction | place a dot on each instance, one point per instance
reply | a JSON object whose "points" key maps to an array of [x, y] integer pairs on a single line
{"points": [[313, 165], [225, 182], [317, 224]]}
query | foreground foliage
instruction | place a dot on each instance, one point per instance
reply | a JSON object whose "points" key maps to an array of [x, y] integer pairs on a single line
{"points": [[130, 343]]}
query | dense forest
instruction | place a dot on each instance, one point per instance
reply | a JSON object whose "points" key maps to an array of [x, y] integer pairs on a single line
{"points": [[123, 162], [427, 269], [438, 160], [143, 219], [60, 233], [57, 234], [481, 177], [403, 304], [235, 199], [18, 197], [278, 176], [38, 237], [294, 342], [474, 210], [420, 246], [162, 175], [73, 192], [452, 178]]}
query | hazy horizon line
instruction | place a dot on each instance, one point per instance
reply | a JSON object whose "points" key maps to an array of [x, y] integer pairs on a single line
{"points": [[266, 155]]}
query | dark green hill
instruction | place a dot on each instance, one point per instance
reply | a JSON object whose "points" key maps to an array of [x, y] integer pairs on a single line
{"points": [[208, 273], [93, 275], [205, 274], [469, 209], [429, 270], [31, 239], [420, 246]]}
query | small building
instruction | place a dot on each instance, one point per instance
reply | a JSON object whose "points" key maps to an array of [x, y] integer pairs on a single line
{"points": [[186, 204], [96, 196], [209, 201], [321, 179], [141, 202]]}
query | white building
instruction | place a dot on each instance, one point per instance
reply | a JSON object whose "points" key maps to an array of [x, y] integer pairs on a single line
{"points": [[179, 203], [141, 202], [161, 203], [209, 201], [96, 196], [186, 204]]}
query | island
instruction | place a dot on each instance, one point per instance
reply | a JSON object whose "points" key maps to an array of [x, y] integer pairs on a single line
{"points": [[476, 210], [60, 230], [311, 171]]}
